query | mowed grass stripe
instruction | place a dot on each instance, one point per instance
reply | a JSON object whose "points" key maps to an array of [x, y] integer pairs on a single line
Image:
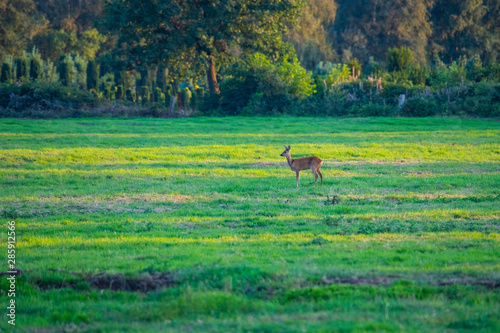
{"points": [[230, 171], [287, 238], [159, 197], [75, 140], [295, 254], [248, 153], [175, 207], [235, 125]]}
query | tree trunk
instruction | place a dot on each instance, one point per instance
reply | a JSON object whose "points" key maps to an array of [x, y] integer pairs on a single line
{"points": [[213, 85]]}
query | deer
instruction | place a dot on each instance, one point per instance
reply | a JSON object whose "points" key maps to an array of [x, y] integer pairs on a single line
{"points": [[299, 164]]}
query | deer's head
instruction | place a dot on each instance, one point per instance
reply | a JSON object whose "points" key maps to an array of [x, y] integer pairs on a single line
{"points": [[286, 152]]}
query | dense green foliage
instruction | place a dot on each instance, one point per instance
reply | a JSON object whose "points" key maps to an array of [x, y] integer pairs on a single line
{"points": [[147, 225], [400, 59], [19, 24], [162, 58], [326, 30], [189, 37], [6, 74], [254, 86]]}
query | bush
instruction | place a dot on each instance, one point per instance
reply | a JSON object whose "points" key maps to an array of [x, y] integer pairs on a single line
{"points": [[6, 73], [186, 98], [481, 100], [339, 74], [354, 64], [259, 87], [108, 93], [372, 110], [399, 59], [67, 71], [421, 107], [255, 86], [451, 76], [474, 69], [120, 94], [130, 95], [36, 69], [373, 69], [22, 68], [418, 75], [145, 95], [38, 97], [93, 75]]}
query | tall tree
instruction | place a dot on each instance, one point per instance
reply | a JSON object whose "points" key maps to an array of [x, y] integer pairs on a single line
{"points": [[191, 35], [71, 28], [492, 24], [465, 28], [19, 22], [71, 15], [309, 36], [367, 28]]}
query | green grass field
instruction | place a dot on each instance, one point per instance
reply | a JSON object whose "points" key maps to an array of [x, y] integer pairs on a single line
{"points": [[148, 225]]}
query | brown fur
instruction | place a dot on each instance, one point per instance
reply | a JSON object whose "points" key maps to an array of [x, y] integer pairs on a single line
{"points": [[312, 162]]}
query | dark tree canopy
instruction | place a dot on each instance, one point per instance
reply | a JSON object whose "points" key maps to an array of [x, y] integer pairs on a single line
{"points": [[466, 28], [189, 37], [196, 35], [369, 27], [310, 35], [19, 22]]}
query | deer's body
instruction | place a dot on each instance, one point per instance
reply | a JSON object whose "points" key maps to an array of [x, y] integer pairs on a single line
{"points": [[312, 162]]}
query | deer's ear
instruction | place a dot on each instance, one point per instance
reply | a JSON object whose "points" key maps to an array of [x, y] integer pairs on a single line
{"points": [[285, 147], [288, 148]]}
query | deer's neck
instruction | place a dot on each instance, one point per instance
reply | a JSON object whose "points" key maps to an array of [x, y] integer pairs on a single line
{"points": [[289, 160]]}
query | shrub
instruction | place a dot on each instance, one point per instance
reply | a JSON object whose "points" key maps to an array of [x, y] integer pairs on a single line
{"points": [[81, 71], [259, 87], [130, 95], [421, 107], [481, 100], [6, 73], [42, 99], [450, 76], [399, 59], [354, 64], [93, 76], [36, 69], [186, 98], [50, 72], [474, 69], [339, 74], [22, 68], [120, 94], [145, 95], [297, 80], [418, 75], [120, 78], [148, 78], [108, 93], [67, 71], [372, 110], [373, 69]]}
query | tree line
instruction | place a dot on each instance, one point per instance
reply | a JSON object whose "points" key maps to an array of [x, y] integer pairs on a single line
{"points": [[251, 56], [324, 30]]}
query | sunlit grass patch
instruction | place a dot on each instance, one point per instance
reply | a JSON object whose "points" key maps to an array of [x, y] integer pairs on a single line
{"points": [[239, 153], [284, 238]]}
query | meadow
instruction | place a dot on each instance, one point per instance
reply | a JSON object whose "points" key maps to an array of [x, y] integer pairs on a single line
{"points": [[147, 225]]}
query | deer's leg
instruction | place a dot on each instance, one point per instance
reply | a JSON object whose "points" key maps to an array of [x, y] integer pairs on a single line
{"points": [[320, 176], [315, 176], [298, 178]]}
